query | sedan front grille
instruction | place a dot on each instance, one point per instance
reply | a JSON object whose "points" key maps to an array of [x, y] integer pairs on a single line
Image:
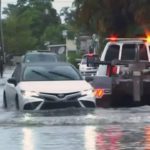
{"points": [[57, 97], [55, 105], [31, 106]]}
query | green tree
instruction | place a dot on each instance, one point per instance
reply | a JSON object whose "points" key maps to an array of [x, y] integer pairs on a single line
{"points": [[18, 37], [53, 34], [126, 18], [112, 16], [27, 23]]}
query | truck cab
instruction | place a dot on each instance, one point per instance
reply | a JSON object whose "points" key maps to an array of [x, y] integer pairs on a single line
{"points": [[122, 49]]}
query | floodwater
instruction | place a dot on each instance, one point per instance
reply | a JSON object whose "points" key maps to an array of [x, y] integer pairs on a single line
{"points": [[74, 129]]}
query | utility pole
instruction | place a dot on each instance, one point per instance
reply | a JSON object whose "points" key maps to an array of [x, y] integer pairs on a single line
{"points": [[1, 31], [64, 33], [2, 58]]}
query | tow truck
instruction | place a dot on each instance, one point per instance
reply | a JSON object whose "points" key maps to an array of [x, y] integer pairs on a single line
{"points": [[123, 76]]}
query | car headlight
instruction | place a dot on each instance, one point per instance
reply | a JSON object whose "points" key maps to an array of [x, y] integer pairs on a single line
{"points": [[88, 92], [29, 93]]}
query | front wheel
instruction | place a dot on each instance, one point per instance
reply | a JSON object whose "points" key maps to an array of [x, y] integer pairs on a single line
{"points": [[4, 101], [17, 102]]}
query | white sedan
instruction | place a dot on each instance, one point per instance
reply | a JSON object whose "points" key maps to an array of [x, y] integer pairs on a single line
{"points": [[47, 86]]}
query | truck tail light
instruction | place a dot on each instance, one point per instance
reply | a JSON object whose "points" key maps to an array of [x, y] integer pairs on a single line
{"points": [[111, 70]]}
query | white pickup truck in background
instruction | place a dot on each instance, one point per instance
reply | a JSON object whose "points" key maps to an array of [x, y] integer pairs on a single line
{"points": [[88, 65]]}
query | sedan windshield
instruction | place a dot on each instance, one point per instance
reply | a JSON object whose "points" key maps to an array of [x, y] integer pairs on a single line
{"points": [[35, 73], [40, 58]]}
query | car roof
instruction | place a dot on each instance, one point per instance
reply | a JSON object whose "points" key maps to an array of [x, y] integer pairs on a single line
{"points": [[52, 64], [41, 52]]}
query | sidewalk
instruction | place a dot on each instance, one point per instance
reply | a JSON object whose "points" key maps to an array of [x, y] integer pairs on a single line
{"points": [[7, 74]]}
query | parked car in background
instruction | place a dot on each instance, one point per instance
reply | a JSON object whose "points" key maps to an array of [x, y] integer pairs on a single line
{"points": [[40, 56], [88, 65], [123, 61], [40, 86]]}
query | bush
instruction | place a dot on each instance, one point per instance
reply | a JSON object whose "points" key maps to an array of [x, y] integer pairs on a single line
{"points": [[73, 55]]}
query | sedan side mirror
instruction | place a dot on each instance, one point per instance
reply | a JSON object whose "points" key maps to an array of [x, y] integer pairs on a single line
{"points": [[12, 81]]}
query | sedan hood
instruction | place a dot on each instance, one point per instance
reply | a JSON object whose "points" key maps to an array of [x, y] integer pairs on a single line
{"points": [[55, 86]]}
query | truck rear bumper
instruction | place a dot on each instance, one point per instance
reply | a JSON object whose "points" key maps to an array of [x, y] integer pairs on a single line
{"points": [[122, 96]]}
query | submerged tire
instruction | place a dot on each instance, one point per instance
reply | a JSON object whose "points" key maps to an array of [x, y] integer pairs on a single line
{"points": [[4, 101], [17, 102]]}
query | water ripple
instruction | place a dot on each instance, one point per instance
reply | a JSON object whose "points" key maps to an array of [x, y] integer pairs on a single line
{"points": [[76, 117]]}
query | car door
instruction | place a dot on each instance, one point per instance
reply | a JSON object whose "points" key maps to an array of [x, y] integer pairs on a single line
{"points": [[10, 89]]}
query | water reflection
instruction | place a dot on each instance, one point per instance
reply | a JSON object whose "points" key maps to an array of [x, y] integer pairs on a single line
{"points": [[107, 139], [28, 142], [90, 136], [117, 137], [82, 131], [147, 138]]}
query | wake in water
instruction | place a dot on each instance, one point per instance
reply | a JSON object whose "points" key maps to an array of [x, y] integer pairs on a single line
{"points": [[76, 117]]}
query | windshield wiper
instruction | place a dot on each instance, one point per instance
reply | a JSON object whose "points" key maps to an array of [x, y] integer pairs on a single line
{"points": [[41, 74], [56, 73]]}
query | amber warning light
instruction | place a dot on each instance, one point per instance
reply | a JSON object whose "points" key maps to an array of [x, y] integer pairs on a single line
{"points": [[148, 39], [99, 93], [112, 38], [115, 39]]}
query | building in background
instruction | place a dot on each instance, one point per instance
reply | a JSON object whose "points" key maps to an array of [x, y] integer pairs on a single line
{"points": [[82, 44], [85, 43]]}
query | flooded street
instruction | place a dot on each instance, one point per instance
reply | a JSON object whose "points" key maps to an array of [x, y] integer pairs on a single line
{"points": [[74, 129]]}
